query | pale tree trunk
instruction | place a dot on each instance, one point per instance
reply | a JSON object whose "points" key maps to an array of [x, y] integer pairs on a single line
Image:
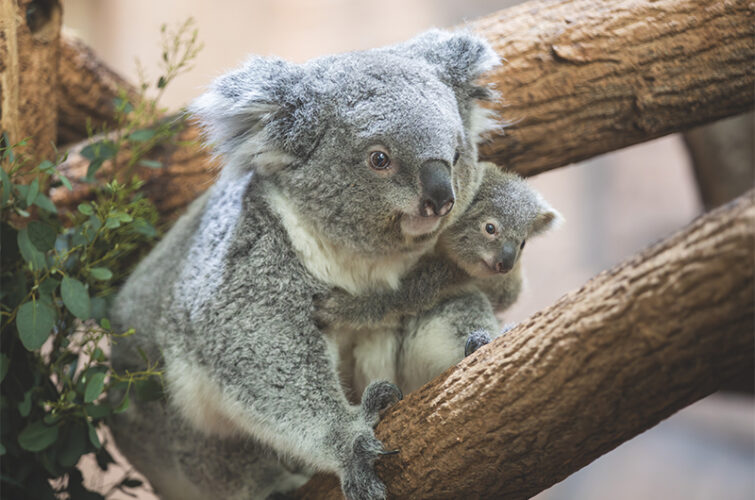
{"points": [[584, 77], [606, 362], [29, 53], [722, 158]]}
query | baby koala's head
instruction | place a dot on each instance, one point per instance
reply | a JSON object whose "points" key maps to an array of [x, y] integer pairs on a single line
{"points": [[489, 237]]}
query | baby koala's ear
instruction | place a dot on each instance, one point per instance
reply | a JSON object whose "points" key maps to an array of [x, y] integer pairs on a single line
{"points": [[249, 114], [461, 57], [546, 219]]}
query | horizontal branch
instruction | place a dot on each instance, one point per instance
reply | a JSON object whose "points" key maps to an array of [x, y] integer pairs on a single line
{"points": [[86, 90], [585, 77], [606, 362], [580, 78]]}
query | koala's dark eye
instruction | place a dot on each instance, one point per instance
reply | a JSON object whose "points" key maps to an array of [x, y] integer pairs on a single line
{"points": [[522, 245], [379, 160], [490, 228], [456, 156]]}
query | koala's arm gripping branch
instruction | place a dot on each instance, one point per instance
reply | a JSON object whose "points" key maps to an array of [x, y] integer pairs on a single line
{"points": [[580, 78], [606, 362]]}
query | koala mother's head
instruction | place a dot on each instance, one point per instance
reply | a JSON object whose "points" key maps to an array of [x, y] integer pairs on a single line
{"points": [[372, 149]]}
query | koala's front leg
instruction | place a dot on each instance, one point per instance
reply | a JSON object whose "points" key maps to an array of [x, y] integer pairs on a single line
{"points": [[443, 336], [285, 383], [418, 291]]}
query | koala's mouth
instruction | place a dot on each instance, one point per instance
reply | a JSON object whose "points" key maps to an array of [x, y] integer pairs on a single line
{"points": [[417, 225]]}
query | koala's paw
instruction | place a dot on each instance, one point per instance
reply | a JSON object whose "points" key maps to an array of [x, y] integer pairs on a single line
{"points": [[337, 307], [377, 397], [360, 482], [475, 340]]}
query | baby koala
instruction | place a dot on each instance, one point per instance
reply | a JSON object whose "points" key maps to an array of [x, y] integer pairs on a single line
{"points": [[449, 299], [482, 248]]}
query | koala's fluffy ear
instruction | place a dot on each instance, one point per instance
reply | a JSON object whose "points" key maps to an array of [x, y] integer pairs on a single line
{"points": [[250, 115], [461, 57], [546, 219]]}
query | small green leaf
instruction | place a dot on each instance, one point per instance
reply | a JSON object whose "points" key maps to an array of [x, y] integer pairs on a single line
{"points": [[101, 273], [75, 297], [41, 235], [105, 323], [85, 208], [100, 150], [112, 223], [141, 135], [151, 163], [93, 167], [32, 192], [144, 228], [123, 405], [94, 387], [93, 436], [28, 251], [73, 445], [161, 82], [37, 436], [24, 407], [45, 204], [4, 365], [65, 182], [6, 185], [34, 322], [48, 287], [98, 355], [46, 166], [123, 105], [22, 212], [98, 411]]}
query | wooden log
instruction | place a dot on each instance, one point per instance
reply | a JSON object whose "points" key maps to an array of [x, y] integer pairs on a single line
{"points": [[585, 77], [86, 91], [29, 52], [606, 362]]}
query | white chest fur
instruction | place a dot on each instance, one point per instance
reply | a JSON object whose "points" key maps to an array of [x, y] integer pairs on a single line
{"points": [[337, 266]]}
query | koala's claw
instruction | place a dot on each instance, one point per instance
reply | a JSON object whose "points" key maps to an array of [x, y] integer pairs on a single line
{"points": [[388, 452], [360, 482], [377, 397], [475, 340]]}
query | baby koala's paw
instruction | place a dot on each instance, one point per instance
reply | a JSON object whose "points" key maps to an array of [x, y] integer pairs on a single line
{"points": [[475, 340], [377, 397], [360, 482]]}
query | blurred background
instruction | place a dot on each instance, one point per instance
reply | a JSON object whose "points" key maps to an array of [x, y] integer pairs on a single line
{"points": [[614, 205]]}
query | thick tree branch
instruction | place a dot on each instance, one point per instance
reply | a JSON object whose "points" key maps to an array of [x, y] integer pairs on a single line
{"points": [[631, 347], [86, 90], [584, 77]]}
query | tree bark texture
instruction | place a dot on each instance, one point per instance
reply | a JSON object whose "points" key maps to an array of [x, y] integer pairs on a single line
{"points": [[606, 362], [29, 53], [85, 92], [585, 77], [722, 158], [187, 172]]}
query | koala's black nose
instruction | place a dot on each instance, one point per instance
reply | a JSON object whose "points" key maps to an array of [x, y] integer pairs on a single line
{"points": [[437, 192], [506, 257]]}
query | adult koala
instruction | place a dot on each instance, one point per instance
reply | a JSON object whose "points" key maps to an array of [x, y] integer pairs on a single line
{"points": [[338, 172]]}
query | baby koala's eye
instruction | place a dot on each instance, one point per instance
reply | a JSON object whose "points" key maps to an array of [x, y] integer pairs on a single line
{"points": [[490, 228], [456, 156], [379, 160], [522, 245]]}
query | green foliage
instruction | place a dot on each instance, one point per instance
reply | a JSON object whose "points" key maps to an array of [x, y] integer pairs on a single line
{"points": [[58, 273]]}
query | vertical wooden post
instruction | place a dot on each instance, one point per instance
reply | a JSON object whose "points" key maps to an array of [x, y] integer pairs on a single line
{"points": [[29, 49]]}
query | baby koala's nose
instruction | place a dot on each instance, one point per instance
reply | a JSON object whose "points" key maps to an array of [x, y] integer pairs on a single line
{"points": [[502, 267], [437, 192]]}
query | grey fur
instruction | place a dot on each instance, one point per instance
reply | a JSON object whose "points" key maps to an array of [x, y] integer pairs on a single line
{"points": [[465, 256], [225, 301], [449, 298]]}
